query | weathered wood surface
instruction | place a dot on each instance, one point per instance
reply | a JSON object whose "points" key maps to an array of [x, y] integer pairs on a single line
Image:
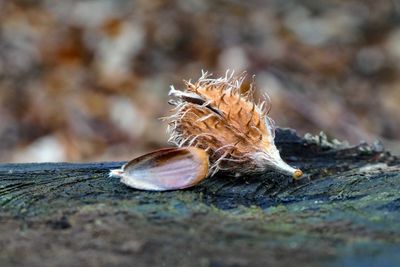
{"points": [[347, 213]]}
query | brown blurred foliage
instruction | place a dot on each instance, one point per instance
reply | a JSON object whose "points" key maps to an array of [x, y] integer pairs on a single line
{"points": [[87, 80]]}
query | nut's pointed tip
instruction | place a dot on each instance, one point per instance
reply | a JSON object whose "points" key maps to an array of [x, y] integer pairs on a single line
{"points": [[297, 174], [116, 173]]}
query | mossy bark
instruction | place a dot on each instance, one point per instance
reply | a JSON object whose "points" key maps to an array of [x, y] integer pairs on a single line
{"points": [[346, 212]]}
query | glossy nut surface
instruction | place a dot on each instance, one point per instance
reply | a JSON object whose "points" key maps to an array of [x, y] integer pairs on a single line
{"points": [[165, 169]]}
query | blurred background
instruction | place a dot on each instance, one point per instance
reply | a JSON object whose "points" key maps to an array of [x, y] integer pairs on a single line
{"points": [[87, 80]]}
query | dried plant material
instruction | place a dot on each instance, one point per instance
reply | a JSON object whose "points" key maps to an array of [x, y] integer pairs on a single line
{"points": [[212, 121], [165, 169], [238, 135]]}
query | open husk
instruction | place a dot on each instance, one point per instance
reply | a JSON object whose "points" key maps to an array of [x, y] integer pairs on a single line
{"points": [[238, 135]]}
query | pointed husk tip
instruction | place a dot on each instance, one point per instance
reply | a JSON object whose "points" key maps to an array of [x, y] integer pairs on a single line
{"points": [[285, 168]]}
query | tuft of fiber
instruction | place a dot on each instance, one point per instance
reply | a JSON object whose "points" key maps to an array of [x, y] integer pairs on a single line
{"points": [[213, 114]]}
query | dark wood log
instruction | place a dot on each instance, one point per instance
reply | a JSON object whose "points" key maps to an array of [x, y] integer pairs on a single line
{"points": [[346, 212]]}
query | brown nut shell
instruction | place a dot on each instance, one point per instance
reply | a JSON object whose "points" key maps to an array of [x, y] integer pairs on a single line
{"points": [[165, 169]]}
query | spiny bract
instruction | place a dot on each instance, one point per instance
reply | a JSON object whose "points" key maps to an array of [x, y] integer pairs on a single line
{"points": [[238, 135]]}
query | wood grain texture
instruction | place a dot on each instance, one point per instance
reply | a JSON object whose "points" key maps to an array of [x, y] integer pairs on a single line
{"points": [[344, 214]]}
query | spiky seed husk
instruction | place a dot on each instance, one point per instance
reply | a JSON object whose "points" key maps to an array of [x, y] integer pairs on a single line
{"points": [[214, 115]]}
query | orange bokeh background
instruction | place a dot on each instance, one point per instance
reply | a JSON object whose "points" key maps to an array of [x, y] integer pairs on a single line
{"points": [[88, 80]]}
